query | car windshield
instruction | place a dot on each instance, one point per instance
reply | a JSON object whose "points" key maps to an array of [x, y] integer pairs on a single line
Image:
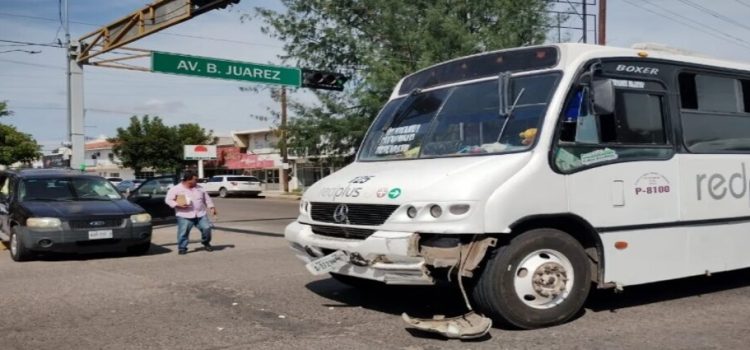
{"points": [[67, 189], [460, 120]]}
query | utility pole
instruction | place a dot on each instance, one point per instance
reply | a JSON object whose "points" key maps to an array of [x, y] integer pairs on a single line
{"points": [[68, 131], [602, 40], [585, 19], [74, 71], [156, 16], [284, 154]]}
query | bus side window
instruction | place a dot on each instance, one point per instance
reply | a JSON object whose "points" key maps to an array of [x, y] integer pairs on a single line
{"points": [[715, 113], [587, 139]]}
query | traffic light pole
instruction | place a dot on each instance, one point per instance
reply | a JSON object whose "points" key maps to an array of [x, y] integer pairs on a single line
{"points": [[75, 110], [283, 148], [74, 76]]}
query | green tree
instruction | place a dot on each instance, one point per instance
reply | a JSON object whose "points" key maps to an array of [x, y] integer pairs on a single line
{"points": [[377, 42], [15, 146], [149, 143], [192, 134], [4, 112]]}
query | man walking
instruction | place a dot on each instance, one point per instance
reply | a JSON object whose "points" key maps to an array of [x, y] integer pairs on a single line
{"points": [[190, 203]]}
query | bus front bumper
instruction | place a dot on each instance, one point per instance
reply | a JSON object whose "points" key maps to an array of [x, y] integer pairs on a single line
{"points": [[385, 256]]}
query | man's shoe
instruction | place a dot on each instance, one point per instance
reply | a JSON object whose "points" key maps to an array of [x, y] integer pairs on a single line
{"points": [[182, 252], [207, 247]]}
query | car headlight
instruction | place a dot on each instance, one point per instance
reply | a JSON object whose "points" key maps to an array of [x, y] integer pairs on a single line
{"points": [[43, 222], [140, 218]]}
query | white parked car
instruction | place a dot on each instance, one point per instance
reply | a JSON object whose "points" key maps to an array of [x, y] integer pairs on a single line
{"points": [[225, 185]]}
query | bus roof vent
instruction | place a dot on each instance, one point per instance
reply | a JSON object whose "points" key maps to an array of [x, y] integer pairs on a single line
{"points": [[666, 48]]}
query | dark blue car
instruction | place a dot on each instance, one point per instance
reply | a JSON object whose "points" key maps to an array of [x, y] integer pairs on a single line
{"points": [[45, 210]]}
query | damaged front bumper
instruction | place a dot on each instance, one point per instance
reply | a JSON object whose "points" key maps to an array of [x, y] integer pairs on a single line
{"points": [[393, 257], [385, 256]]}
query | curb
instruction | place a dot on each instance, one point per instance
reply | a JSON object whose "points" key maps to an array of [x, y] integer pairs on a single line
{"points": [[282, 196]]}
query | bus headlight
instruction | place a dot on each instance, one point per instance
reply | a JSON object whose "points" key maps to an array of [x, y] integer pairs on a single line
{"points": [[411, 212], [142, 218], [43, 222], [436, 211]]}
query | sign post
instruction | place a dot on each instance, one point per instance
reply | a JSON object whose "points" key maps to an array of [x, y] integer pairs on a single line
{"points": [[170, 63], [200, 153]]}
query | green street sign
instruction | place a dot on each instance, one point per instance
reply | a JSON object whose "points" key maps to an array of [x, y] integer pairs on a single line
{"points": [[170, 63]]}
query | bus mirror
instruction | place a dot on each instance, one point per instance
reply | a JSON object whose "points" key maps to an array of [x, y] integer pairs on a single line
{"points": [[603, 96]]}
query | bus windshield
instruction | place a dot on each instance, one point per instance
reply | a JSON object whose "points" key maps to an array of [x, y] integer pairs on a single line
{"points": [[460, 120]]}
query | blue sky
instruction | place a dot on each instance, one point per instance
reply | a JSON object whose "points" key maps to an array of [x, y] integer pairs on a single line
{"points": [[34, 85]]}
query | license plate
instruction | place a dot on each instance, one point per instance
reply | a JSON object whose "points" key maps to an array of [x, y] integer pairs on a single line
{"points": [[100, 234], [328, 263]]}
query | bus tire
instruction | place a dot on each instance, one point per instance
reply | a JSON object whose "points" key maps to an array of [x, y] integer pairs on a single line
{"points": [[541, 278]]}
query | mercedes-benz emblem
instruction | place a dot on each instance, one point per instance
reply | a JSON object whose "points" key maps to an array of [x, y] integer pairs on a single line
{"points": [[341, 214]]}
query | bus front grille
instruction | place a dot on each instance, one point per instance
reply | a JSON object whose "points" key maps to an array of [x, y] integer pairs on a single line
{"points": [[342, 232], [356, 214]]}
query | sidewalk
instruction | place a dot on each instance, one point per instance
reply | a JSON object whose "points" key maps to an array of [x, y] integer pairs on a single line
{"points": [[281, 195]]}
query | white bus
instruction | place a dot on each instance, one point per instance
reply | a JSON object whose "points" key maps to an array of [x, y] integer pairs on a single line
{"points": [[534, 173]]}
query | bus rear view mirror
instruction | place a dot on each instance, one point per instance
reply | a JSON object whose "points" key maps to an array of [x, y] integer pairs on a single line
{"points": [[603, 96]]}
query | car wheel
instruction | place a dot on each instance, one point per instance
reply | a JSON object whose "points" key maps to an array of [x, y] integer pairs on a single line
{"points": [[18, 251], [139, 249], [356, 282], [223, 192], [541, 278]]}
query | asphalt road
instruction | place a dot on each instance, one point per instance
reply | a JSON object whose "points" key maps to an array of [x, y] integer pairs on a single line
{"points": [[253, 294]]}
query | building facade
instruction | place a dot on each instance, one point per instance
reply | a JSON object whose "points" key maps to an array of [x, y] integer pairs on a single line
{"points": [[255, 153], [102, 161]]}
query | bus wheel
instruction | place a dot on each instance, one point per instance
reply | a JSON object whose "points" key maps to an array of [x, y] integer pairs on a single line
{"points": [[541, 278]]}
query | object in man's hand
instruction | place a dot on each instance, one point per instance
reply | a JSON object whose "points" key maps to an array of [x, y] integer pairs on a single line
{"points": [[182, 200]]}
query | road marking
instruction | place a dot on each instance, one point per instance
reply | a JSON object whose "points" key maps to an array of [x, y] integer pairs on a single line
{"points": [[3, 247]]}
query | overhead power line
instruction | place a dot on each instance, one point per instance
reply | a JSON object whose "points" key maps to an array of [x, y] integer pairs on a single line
{"points": [[28, 43], [680, 19], [32, 64], [24, 51], [714, 14]]}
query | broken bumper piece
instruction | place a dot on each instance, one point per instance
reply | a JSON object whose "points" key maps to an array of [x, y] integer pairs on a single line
{"points": [[468, 326], [383, 256]]}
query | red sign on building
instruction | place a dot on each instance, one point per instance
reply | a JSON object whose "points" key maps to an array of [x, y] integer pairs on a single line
{"points": [[232, 158]]}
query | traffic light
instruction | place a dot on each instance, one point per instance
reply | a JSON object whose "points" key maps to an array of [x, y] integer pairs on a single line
{"points": [[317, 79], [201, 6]]}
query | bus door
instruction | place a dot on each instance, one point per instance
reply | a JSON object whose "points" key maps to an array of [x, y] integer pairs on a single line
{"points": [[621, 177]]}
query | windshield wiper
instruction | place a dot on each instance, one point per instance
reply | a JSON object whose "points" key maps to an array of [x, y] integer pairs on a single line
{"points": [[509, 113]]}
